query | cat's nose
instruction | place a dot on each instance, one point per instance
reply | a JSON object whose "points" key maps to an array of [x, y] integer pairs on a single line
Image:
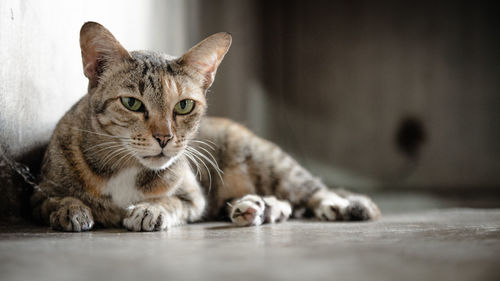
{"points": [[162, 139]]}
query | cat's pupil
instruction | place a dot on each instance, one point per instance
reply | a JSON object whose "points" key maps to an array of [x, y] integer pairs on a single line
{"points": [[131, 102], [183, 104]]}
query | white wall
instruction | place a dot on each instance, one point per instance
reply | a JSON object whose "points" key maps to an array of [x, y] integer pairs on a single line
{"points": [[40, 65]]}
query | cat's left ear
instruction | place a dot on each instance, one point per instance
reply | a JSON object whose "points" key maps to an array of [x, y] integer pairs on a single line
{"points": [[100, 49], [203, 59]]}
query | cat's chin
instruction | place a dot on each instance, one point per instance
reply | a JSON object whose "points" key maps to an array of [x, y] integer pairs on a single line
{"points": [[160, 162]]}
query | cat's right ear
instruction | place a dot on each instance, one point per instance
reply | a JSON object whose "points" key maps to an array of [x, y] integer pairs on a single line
{"points": [[100, 49], [203, 59]]}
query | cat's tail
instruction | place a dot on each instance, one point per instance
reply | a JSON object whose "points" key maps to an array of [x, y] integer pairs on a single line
{"points": [[27, 187]]}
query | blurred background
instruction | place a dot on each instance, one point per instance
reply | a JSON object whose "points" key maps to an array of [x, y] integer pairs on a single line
{"points": [[393, 98]]}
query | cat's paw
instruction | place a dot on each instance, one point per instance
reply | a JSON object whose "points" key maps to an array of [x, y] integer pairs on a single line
{"points": [[276, 210], [256, 210], [361, 208], [248, 210], [332, 207], [146, 217], [72, 217]]}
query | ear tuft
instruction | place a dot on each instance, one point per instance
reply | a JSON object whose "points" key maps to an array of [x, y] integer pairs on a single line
{"points": [[204, 58], [99, 50]]}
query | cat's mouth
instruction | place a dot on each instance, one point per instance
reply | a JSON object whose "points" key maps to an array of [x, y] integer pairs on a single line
{"points": [[159, 161], [158, 156]]}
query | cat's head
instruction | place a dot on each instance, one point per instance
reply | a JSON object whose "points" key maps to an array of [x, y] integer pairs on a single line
{"points": [[150, 103]]}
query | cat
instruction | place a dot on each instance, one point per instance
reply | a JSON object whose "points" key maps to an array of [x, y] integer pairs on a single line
{"points": [[137, 151]]}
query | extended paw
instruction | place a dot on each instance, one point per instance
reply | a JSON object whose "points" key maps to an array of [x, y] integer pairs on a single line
{"points": [[361, 208], [146, 217], [256, 210], [72, 217], [276, 210], [249, 210], [331, 207]]}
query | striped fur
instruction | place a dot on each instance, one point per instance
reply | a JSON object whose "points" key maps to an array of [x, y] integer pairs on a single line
{"points": [[152, 169]]}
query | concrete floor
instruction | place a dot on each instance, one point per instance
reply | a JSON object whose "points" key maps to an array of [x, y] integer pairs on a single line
{"points": [[449, 244]]}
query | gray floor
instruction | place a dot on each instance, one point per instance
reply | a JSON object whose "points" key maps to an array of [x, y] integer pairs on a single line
{"points": [[451, 244]]}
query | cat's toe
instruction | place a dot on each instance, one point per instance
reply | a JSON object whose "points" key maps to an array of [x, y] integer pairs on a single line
{"points": [[73, 217], [146, 217], [248, 211], [361, 208], [276, 210], [330, 206], [331, 209]]}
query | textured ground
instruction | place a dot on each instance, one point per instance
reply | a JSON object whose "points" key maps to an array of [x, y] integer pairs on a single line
{"points": [[450, 244]]}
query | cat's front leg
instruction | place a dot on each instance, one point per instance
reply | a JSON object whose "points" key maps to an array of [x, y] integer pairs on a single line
{"points": [[62, 213], [161, 214], [342, 206], [185, 205], [149, 216], [253, 210]]}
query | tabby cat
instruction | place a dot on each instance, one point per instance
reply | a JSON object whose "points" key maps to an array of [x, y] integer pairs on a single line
{"points": [[136, 151]]}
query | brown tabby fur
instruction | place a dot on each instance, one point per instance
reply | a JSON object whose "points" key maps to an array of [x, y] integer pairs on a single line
{"points": [[102, 164]]}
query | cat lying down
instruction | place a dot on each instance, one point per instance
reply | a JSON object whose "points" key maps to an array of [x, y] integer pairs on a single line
{"points": [[137, 151]]}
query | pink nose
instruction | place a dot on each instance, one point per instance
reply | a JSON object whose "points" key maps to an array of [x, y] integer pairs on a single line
{"points": [[162, 139]]}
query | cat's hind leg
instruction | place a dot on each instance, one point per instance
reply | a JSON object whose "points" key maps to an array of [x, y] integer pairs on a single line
{"points": [[253, 210]]}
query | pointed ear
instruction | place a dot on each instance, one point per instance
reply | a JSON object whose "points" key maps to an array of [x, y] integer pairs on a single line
{"points": [[99, 50], [203, 59]]}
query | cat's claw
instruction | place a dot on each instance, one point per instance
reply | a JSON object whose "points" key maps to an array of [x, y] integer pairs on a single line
{"points": [[253, 210], [73, 217], [146, 217]]}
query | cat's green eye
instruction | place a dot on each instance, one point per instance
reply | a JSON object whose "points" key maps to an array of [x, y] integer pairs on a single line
{"points": [[184, 107], [132, 104]]}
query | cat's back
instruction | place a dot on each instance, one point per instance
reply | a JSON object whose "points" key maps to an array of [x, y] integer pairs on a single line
{"points": [[213, 126], [231, 143], [63, 144], [223, 131]]}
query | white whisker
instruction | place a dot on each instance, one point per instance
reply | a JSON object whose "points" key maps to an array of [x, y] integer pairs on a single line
{"points": [[188, 155], [103, 149], [211, 142], [206, 167], [131, 156], [101, 144], [214, 164], [213, 158], [118, 162], [202, 142], [112, 155], [101, 134]]}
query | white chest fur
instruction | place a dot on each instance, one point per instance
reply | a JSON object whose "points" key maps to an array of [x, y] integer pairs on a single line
{"points": [[121, 188]]}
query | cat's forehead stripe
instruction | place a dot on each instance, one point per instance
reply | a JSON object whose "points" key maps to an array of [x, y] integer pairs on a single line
{"points": [[159, 79], [141, 87], [145, 69], [151, 82], [171, 85]]}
